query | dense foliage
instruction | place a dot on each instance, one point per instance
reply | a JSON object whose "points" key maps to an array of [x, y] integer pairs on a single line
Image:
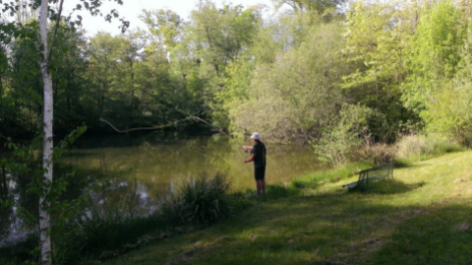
{"points": [[319, 72]]}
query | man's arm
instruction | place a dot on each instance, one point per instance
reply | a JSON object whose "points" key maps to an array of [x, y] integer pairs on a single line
{"points": [[251, 158], [247, 147], [253, 154]]}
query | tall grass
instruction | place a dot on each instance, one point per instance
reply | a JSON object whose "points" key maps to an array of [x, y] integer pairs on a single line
{"points": [[408, 149], [111, 234], [377, 154], [198, 201], [412, 148]]}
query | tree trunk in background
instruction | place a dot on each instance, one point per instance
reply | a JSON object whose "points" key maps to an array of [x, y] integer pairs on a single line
{"points": [[44, 225], [4, 182], [1, 184]]}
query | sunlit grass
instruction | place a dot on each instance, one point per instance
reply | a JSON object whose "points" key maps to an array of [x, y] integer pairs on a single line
{"points": [[420, 217]]}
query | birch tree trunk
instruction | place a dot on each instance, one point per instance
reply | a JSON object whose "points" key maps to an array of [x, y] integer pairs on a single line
{"points": [[44, 225]]}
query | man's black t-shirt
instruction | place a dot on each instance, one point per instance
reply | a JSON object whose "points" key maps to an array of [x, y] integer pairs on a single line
{"points": [[260, 155]]}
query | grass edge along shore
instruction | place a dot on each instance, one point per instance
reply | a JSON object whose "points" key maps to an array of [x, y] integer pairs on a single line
{"points": [[421, 217]]}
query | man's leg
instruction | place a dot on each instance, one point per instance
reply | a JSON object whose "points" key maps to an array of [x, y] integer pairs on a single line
{"points": [[263, 181], [259, 187], [257, 176]]}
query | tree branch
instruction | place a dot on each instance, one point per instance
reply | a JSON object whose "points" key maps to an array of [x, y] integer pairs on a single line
{"points": [[144, 128], [54, 33], [167, 125]]}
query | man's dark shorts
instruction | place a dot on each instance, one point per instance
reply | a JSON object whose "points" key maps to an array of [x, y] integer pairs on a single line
{"points": [[259, 173]]}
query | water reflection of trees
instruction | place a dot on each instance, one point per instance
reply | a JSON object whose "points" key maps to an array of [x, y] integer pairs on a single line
{"points": [[108, 193]]}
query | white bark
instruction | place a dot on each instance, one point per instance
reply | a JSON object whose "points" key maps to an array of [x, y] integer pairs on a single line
{"points": [[44, 221]]}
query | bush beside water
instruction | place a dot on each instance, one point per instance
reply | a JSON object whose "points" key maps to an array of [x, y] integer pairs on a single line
{"points": [[198, 201]]}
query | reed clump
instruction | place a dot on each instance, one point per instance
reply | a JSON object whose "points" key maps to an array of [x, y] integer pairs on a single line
{"points": [[199, 201], [377, 154]]}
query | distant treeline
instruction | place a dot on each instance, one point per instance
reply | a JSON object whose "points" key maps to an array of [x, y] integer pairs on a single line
{"points": [[319, 71]]}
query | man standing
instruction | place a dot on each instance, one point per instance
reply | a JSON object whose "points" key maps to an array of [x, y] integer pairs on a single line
{"points": [[258, 155]]}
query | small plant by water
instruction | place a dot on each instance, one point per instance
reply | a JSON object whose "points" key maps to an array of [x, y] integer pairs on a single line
{"points": [[199, 201]]}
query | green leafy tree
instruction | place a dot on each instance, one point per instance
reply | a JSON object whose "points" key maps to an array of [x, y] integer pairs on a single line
{"points": [[449, 110], [294, 98], [433, 54], [166, 28], [213, 39], [377, 37], [319, 6]]}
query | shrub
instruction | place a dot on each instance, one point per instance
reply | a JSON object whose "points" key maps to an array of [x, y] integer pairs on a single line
{"points": [[340, 142], [417, 147], [112, 216], [450, 112], [17, 252], [378, 154], [106, 233], [201, 201], [413, 147]]}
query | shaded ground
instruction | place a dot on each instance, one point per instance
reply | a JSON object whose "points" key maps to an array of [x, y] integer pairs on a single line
{"points": [[421, 217]]}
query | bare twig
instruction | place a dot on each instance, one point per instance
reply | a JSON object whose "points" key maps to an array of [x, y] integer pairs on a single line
{"points": [[9, 140], [206, 122]]}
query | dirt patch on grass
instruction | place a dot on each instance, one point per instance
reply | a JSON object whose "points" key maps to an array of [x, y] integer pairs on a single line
{"points": [[464, 227], [459, 180], [195, 251], [463, 186]]}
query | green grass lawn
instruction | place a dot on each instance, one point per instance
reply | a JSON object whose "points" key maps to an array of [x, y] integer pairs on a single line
{"points": [[423, 216]]}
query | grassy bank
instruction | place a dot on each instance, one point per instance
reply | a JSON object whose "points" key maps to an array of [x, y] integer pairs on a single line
{"points": [[421, 217]]}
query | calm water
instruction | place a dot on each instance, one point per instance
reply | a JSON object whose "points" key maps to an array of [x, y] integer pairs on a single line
{"points": [[149, 167], [159, 165]]}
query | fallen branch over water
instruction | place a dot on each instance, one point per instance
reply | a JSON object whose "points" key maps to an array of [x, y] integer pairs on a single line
{"points": [[166, 125]]}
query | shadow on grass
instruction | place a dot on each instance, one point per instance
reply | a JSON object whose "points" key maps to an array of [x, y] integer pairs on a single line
{"points": [[329, 228], [402, 164], [436, 236], [392, 187], [277, 191]]}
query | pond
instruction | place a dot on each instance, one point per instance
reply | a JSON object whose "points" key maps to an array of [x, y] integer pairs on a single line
{"points": [[154, 167], [165, 164]]}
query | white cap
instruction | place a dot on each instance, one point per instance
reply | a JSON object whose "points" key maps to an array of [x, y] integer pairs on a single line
{"points": [[256, 136]]}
